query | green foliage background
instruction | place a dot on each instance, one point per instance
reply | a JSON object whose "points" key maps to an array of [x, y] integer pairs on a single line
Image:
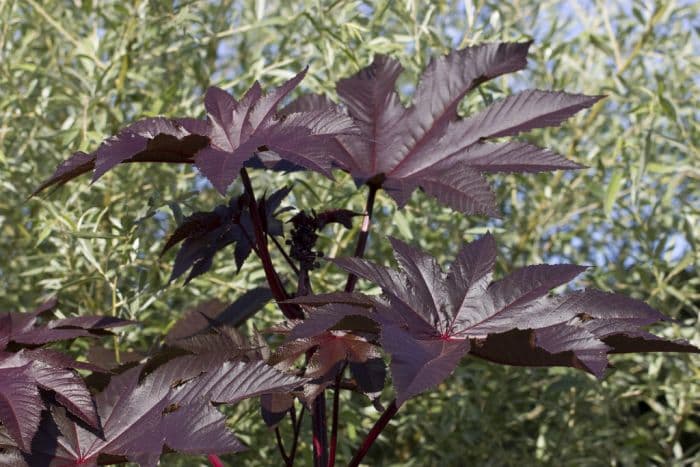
{"points": [[74, 72]]}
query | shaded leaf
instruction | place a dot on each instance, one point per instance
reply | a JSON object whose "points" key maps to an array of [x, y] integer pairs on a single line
{"points": [[214, 314], [370, 376], [204, 234], [274, 407]]}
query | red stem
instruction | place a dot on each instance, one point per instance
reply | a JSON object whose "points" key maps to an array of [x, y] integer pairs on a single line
{"points": [[334, 423], [374, 433], [215, 460], [289, 311], [320, 431], [364, 234]]}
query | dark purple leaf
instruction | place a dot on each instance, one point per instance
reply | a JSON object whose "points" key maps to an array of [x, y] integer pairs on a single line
{"points": [[131, 418], [214, 314], [461, 188], [70, 391], [52, 371], [333, 297], [239, 129], [370, 376], [274, 407], [106, 358], [44, 335], [23, 328], [235, 381], [60, 360], [642, 341], [430, 317], [171, 407], [338, 316], [13, 324], [234, 134], [522, 112], [592, 324], [330, 348], [513, 156], [200, 429], [308, 103], [560, 345], [23, 372], [420, 364], [73, 167], [206, 233], [90, 322], [150, 140], [427, 146], [20, 404], [223, 343]]}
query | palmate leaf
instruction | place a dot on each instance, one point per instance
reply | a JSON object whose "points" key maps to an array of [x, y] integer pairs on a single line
{"points": [[170, 407], [236, 133], [22, 375], [24, 330], [237, 129], [203, 234], [427, 145], [429, 320], [158, 139], [209, 330], [20, 403], [213, 314], [331, 348], [28, 373]]}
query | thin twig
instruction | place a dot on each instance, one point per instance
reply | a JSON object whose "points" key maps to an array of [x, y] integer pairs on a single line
{"points": [[289, 260], [49, 19], [280, 445], [297, 429]]}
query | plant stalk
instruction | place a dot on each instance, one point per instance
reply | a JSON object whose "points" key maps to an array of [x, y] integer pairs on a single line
{"points": [[334, 422], [320, 431], [273, 279], [364, 234], [378, 427], [280, 445], [296, 423], [215, 460]]}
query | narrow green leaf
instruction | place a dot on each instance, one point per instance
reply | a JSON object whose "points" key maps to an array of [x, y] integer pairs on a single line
{"points": [[612, 191], [403, 225]]}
